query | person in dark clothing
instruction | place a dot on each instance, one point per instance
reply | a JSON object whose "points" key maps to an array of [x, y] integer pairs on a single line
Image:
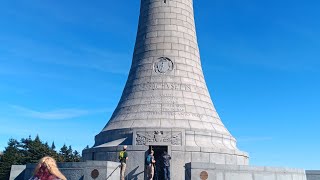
{"points": [[166, 165]]}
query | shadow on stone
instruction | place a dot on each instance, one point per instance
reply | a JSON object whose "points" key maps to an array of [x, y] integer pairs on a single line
{"points": [[187, 171], [132, 175], [17, 172], [20, 176]]}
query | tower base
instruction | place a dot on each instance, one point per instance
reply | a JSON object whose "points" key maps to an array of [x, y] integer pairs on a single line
{"points": [[181, 155], [190, 171]]}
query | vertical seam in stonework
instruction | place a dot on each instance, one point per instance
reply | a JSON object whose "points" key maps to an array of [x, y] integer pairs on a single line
{"points": [[189, 124], [132, 123], [161, 104], [194, 136]]}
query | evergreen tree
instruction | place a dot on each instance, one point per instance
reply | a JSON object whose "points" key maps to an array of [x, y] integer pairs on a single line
{"points": [[63, 154], [46, 145], [53, 146], [30, 151], [76, 156], [11, 155], [69, 154], [35, 150]]}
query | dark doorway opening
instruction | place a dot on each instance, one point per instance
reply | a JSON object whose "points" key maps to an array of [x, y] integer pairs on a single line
{"points": [[158, 169]]}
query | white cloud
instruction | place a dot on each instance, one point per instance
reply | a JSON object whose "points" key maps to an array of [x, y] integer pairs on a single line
{"points": [[55, 114]]}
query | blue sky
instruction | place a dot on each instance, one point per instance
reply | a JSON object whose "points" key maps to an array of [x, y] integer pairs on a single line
{"points": [[63, 66]]}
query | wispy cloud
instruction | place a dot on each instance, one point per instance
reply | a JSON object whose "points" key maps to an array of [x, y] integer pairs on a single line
{"points": [[57, 114], [112, 62], [80, 57]]}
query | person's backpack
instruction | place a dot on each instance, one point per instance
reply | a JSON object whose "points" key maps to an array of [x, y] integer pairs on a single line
{"points": [[121, 155], [148, 160]]}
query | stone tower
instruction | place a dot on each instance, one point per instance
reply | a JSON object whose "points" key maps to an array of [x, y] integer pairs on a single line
{"points": [[165, 104]]}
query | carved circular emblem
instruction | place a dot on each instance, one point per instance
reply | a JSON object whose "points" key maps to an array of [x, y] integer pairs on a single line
{"points": [[163, 65], [94, 173], [204, 175]]}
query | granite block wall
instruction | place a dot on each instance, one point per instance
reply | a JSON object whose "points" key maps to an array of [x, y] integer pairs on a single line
{"points": [[235, 172], [73, 171]]}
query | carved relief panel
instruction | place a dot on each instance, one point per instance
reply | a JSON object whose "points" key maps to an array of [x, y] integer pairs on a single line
{"points": [[158, 137]]}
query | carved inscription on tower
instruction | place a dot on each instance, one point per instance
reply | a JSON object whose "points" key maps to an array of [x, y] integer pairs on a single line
{"points": [[162, 86], [158, 138]]}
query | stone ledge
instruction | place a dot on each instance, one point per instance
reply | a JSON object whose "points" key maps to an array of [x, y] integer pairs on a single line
{"points": [[211, 166], [235, 172], [313, 172]]}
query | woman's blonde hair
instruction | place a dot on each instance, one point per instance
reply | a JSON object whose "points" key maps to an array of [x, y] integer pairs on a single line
{"points": [[51, 165]]}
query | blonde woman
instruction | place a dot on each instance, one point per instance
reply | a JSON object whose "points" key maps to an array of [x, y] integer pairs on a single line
{"points": [[47, 170]]}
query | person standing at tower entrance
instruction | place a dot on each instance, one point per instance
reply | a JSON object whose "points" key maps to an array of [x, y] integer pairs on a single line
{"points": [[166, 165], [150, 165], [123, 157]]}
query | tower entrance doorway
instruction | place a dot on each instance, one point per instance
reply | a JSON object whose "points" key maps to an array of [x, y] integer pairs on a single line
{"points": [[158, 168]]}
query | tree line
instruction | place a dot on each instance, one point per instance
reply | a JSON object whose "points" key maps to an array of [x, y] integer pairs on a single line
{"points": [[29, 150]]}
